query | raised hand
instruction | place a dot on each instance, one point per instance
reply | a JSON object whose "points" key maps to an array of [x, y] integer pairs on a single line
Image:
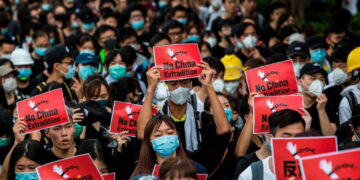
{"points": [[153, 77], [19, 128]]}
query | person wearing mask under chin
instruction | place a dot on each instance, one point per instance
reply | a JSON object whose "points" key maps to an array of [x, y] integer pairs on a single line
{"points": [[233, 76], [312, 81], [318, 52], [8, 83]]}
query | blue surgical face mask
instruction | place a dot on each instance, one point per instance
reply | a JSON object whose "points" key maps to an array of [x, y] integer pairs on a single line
{"points": [[103, 102], [4, 142], [165, 145], [182, 21], [26, 176], [193, 38], [17, 2], [88, 26], [117, 71], [24, 73], [78, 130], [46, 7], [4, 31], [357, 138], [128, 74], [137, 25], [86, 71], [239, 45], [228, 113], [52, 41], [134, 46], [71, 72], [162, 4], [267, 142], [74, 25], [87, 51], [40, 51], [318, 55]]}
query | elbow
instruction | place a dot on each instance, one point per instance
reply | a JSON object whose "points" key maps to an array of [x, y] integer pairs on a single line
{"points": [[224, 130]]}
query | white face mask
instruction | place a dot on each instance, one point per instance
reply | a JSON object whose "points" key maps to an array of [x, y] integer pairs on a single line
{"points": [[9, 84], [179, 95], [212, 41], [218, 85], [6, 56], [161, 92], [231, 86], [297, 67], [339, 76], [316, 87], [249, 42], [216, 3]]}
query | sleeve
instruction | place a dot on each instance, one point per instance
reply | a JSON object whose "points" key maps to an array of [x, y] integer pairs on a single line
{"points": [[331, 111], [246, 175], [344, 110]]}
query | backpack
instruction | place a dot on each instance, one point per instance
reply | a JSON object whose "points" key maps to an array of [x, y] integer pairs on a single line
{"points": [[351, 97], [257, 170]]}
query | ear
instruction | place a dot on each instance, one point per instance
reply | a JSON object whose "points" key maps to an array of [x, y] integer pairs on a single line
{"points": [[56, 66], [46, 131], [300, 81], [233, 40]]}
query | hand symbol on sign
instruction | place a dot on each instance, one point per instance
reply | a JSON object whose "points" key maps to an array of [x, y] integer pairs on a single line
{"points": [[261, 74], [327, 168], [292, 148], [270, 105]]}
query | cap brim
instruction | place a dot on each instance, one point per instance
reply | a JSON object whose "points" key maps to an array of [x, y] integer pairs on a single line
{"points": [[313, 71], [298, 54]]}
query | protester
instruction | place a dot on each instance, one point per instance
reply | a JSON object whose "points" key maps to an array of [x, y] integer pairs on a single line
{"points": [[178, 167]]}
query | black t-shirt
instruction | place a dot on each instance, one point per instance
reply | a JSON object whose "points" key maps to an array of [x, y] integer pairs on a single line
{"points": [[218, 51], [331, 112], [180, 128], [334, 97], [267, 33], [263, 51], [38, 66], [26, 92], [244, 162]]}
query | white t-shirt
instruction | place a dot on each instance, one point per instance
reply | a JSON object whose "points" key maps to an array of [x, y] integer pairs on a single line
{"points": [[199, 104], [268, 174]]}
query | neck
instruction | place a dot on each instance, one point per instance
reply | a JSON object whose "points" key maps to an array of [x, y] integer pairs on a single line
{"points": [[64, 153], [223, 43], [202, 93], [273, 24], [177, 111], [161, 159], [249, 14], [245, 51], [263, 152], [22, 84], [55, 77], [308, 100], [33, 54], [227, 15], [271, 165]]}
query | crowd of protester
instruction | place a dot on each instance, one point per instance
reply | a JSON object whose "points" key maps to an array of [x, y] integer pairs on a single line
{"points": [[101, 51]]}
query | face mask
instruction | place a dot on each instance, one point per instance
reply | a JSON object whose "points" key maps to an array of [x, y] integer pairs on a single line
{"points": [[128, 74], [4, 31], [250, 42], [316, 87], [87, 51], [297, 67], [26, 176], [218, 85], [182, 21], [239, 45], [137, 25], [162, 4], [24, 73], [4, 142], [134, 46], [71, 72], [28, 40], [161, 92], [339, 76], [318, 55], [52, 41], [117, 71], [231, 86], [267, 142], [74, 25], [228, 113], [45, 7], [6, 56], [9, 84], [86, 71], [78, 130], [193, 38], [88, 26], [216, 4], [17, 2], [165, 145], [40, 51], [179, 95], [212, 41], [103, 102]]}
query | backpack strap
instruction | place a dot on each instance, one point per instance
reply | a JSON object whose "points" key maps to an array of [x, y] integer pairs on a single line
{"points": [[352, 100], [257, 170]]}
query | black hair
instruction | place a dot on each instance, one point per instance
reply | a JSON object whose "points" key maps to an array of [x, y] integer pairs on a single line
{"points": [[30, 149], [112, 55], [102, 29], [7, 40], [106, 13], [132, 8], [242, 27], [82, 39], [355, 117], [215, 63], [281, 20], [244, 107], [52, 29], [171, 24], [126, 33], [122, 87], [4, 61], [286, 31], [6, 123], [332, 28], [283, 118], [102, 2], [341, 17], [207, 103], [4, 19], [92, 86], [177, 8], [38, 34], [341, 52], [308, 29], [276, 5], [157, 38], [129, 55]]}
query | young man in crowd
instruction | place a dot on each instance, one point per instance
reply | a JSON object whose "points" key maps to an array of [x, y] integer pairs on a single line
{"points": [[40, 44]]}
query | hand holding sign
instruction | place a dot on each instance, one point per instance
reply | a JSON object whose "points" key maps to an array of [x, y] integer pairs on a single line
{"points": [[19, 128], [307, 118], [153, 77], [206, 74]]}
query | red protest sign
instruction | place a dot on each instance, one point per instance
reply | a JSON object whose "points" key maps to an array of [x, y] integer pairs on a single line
{"points": [[273, 79], [110, 176], [264, 106], [156, 171], [335, 165], [178, 61], [43, 111], [124, 117], [77, 167], [287, 151]]}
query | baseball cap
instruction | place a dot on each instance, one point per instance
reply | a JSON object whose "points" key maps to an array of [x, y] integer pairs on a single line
{"points": [[233, 67], [86, 58], [312, 68], [56, 53], [93, 112], [5, 70], [315, 42], [86, 15], [298, 49], [21, 57]]}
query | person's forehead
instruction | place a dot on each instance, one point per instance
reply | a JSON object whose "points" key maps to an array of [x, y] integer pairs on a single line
{"points": [[175, 29], [135, 12]]}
